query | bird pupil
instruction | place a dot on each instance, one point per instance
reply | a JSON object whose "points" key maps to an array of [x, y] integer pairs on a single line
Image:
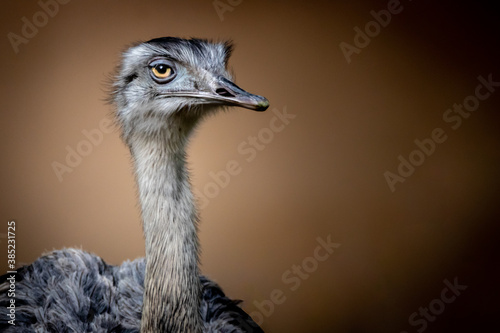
{"points": [[162, 69]]}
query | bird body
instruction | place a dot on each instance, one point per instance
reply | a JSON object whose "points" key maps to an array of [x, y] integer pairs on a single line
{"points": [[162, 89], [72, 290]]}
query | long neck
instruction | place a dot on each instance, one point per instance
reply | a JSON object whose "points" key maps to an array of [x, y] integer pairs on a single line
{"points": [[172, 288]]}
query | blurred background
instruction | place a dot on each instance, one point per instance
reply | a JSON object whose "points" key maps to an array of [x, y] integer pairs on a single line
{"points": [[353, 86]]}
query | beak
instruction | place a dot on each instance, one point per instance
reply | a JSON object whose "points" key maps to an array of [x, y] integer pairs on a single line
{"points": [[230, 94]]}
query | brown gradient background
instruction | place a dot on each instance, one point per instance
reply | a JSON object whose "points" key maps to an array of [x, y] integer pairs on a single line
{"points": [[322, 175]]}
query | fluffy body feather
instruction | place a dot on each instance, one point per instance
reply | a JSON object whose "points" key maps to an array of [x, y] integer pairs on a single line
{"points": [[74, 291]]}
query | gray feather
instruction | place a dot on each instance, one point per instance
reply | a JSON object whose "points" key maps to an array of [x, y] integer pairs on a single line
{"points": [[74, 291]]}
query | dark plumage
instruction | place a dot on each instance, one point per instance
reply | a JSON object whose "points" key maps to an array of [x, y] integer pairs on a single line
{"points": [[75, 291]]}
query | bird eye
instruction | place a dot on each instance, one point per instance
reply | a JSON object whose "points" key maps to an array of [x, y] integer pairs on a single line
{"points": [[161, 71]]}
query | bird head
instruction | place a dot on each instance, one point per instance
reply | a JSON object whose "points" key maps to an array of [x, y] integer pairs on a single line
{"points": [[168, 77]]}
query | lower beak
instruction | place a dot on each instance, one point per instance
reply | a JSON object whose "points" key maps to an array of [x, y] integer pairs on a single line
{"points": [[230, 94]]}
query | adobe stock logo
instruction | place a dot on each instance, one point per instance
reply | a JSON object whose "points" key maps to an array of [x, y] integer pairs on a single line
{"points": [[250, 149], [30, 28], [425, 315], [454, 117], [84, 147], [293, 278], [221, 6], [372, 29]]}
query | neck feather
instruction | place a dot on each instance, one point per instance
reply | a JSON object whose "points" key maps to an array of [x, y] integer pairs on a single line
{"points": [[172, 288]]}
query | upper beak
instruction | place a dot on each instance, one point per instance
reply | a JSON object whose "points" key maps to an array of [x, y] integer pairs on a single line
{"points": [[230, 94]]}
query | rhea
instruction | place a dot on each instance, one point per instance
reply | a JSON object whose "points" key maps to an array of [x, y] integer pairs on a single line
{"points": [[162, 89]]}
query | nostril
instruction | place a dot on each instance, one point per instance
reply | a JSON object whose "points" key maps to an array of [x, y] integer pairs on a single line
{"points": [[223, 92]]}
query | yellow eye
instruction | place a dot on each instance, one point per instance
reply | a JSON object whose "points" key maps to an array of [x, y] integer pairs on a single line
{"points": [[161, 71]]}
